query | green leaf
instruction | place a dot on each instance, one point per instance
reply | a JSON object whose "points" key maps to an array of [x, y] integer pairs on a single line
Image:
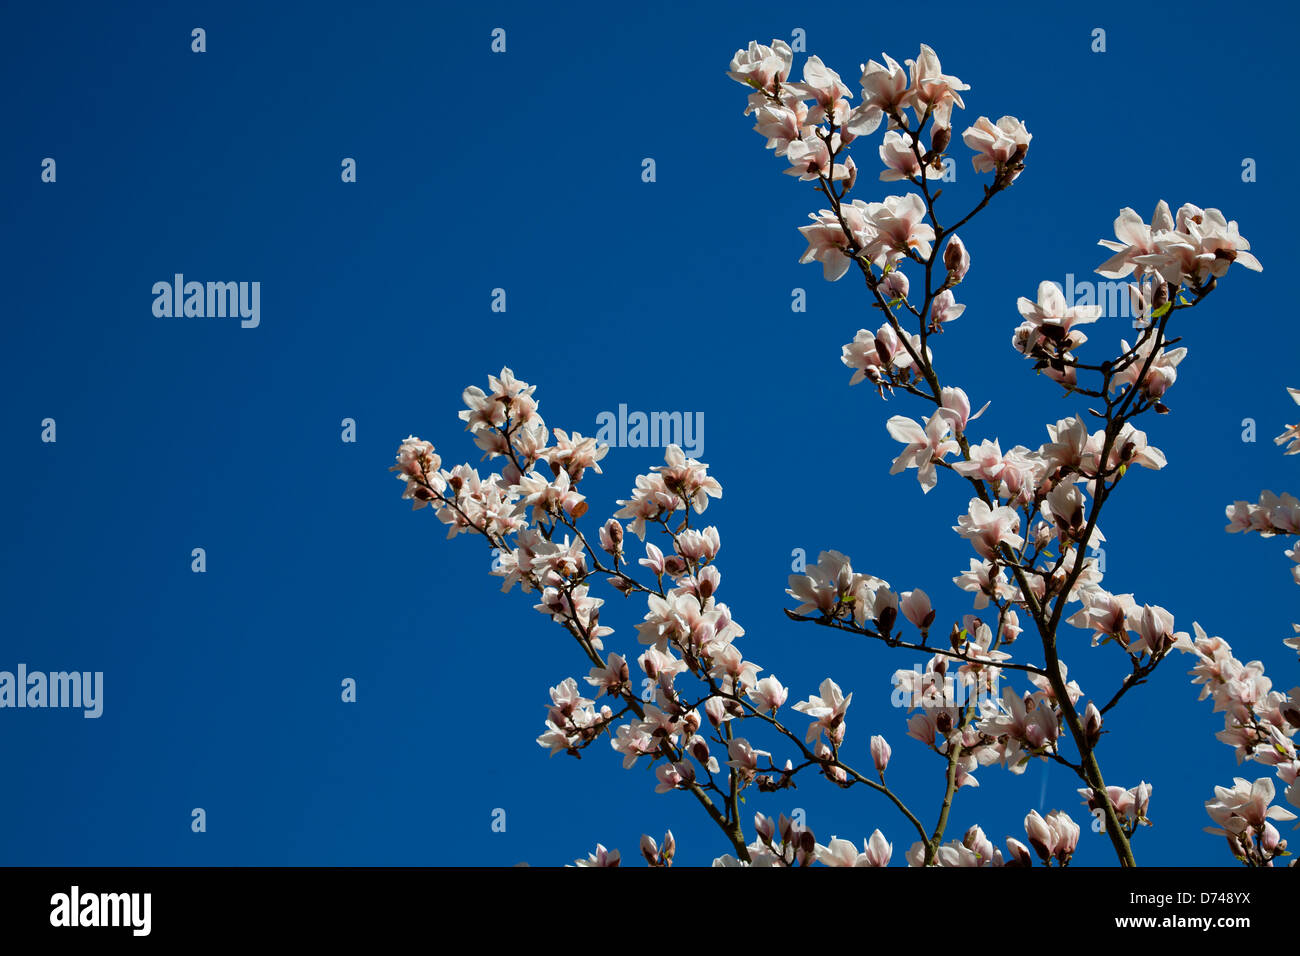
{"points": [[1162, 311]]}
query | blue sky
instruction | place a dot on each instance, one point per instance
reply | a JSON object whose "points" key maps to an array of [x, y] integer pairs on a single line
{"points": [[522, 171]]}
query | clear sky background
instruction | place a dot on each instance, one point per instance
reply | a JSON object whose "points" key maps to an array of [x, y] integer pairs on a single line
{"points": [[522, 171]]}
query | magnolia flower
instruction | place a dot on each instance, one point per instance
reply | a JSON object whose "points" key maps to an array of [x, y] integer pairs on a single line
{"points": [[1055, 836], [1136, 240], [762, 67], [782, 124], [956, 406], [1051, 320], [884, 92], [899, 228], [986, 462], [611, 677], [944, 308], [915, 606], [987, 528], [574, 454], [1104, 614], [744, 758], [901, 161], [980, 579], [1244, 804], [827, 243], [932, 90], [417, 466], [601, 857], [768, 695], [509, 399], [1129, 447], [1161, 374], [879, 355], [838, 853], [1202, 244], [810, 159], [1291, 435], [827, 709], [876, 852], [822, 84], [674, 776], [925, 445], [997, 145]]}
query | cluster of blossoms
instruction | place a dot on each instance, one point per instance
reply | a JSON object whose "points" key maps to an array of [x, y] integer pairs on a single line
{"points": [[1035, 510], [1270, 515], [1260, 724], [1032, 516], [786, 843]]}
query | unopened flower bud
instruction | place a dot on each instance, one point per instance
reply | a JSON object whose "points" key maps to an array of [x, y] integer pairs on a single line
{"points": [[649, 850], [880, 753], [1019, 853], [940, 137], [956, 260], [1092, 724], [611, 537], [895, 286]]}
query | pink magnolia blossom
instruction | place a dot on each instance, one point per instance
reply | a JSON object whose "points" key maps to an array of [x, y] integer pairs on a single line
{"points": [[822, 84], [901, 161], [768, 695], [1160, 375], [810, 159], [932, 90], [1051, 322], [944, 308], [781, 124], [1052, 837], [981, 580], [827, 244], [899, 229], [957, 407], [1136, 240], [828, 711], [996, 145], [915, 606], [1244, 804], [762, 67], [884, 93], [925, 445], [877, 356], [601, 857], [1290, 437], [987, 528]]}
